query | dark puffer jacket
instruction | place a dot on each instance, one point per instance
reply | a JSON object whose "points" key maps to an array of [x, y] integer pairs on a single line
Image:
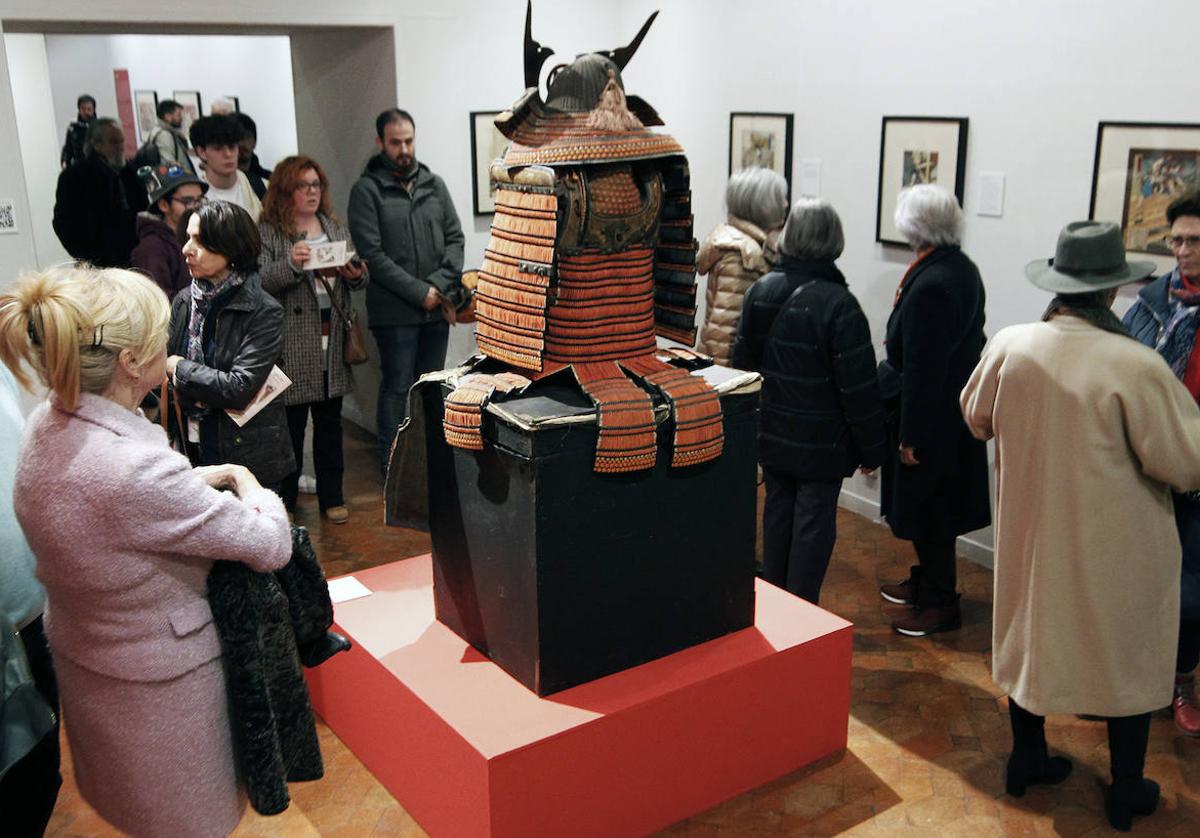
{"points": [[822, 415], [243, 339]]}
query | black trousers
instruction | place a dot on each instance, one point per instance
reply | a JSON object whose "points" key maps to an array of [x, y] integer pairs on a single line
{"points": [[1127, 739], [30, 788], [328, 462], [799, 531], [1189, 647], [936, 572]]}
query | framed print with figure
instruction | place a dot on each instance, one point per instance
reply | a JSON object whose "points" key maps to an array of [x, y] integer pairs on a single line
{"points": [[487, 144], [190, 100], [1140, 168], [761, 139], [917, 149], [145, 108]]}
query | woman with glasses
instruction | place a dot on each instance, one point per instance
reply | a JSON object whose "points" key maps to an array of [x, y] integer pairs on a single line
{"points": [[296, 220], [1166, 317], [226, 335], [172, 192]]}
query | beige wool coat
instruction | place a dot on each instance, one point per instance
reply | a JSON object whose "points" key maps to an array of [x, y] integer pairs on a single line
{"points": [[735, 254], [1091, 430]]}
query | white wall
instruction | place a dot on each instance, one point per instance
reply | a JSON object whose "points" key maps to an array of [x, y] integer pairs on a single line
{"points": [[257, 69], [40, 140], [16, 249]]}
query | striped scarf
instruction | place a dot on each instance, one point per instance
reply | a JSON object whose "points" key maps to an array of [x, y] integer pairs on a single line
{"points": [[1177, 339], [203, 295]]}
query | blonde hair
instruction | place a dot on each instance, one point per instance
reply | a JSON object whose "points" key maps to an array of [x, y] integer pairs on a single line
{"points": [[70, 324]]}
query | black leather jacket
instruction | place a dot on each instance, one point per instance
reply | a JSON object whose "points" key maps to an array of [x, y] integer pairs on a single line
{"points": [[243, 339]]}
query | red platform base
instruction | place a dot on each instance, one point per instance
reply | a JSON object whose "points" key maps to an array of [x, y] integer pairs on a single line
{"points": [[469, 751]]}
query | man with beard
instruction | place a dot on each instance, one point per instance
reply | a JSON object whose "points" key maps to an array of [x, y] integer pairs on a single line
{"points": [[404, 225], [168, 136], [75, 147], [92, 214]]}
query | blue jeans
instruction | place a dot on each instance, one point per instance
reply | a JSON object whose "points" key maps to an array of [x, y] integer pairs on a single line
{"points": [[405, 354]]}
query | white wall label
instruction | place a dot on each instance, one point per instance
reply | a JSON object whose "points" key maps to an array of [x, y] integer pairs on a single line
{"points": [[810, 177], [8, 216], [991, 194]]}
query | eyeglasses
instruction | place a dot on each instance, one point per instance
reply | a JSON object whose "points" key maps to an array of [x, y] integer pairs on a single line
{"points": [[1177, 242], [308, 186], [190, 203]]}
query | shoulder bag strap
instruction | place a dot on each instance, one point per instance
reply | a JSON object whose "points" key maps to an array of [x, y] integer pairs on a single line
{"points": [[349, 321]]}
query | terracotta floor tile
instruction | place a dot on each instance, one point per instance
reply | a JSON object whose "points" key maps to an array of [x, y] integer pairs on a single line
{"points": [[928, 734]]}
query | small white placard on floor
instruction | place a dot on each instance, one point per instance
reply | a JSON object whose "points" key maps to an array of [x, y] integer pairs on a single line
{"points": [[810, 177], [991, 194], [347, 588]]}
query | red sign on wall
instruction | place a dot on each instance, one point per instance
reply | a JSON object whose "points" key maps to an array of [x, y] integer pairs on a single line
{"points": [[125, 111]]}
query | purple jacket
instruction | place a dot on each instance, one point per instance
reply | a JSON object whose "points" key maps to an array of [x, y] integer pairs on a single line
{"points": [[125, 534], [158, 254]]}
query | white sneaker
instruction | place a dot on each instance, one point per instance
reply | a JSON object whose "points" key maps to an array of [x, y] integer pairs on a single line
{"points": [[308, 485]]}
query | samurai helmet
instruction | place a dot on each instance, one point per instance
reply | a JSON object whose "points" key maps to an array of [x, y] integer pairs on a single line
{"points": [[578, 87]]}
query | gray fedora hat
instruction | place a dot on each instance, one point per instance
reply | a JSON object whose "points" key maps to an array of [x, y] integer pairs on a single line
{"points": [[1090, 256]]}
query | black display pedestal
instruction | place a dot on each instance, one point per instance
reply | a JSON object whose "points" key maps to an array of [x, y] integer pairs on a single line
{"points": [[561, 575]]}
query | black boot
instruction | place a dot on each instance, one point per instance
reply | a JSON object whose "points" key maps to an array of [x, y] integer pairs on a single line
{"points": [[1130, 793], [1031, 763]]}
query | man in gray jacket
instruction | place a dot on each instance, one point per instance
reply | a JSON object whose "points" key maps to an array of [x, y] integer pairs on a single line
{"points": [[404, 225], [168, 136]]}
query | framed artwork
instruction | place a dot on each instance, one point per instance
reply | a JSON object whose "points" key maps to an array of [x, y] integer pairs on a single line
{"points": [[190, 100], [761, 139], [487, 144], [1140, 168], [917, 149], [145, 108], [237, 103]]}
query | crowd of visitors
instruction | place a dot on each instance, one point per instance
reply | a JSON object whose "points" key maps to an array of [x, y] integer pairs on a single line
{"points": [[1094, 420]]}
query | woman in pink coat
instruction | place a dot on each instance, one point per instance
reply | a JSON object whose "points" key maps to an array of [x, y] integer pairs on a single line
{"points": [[125, 532]]}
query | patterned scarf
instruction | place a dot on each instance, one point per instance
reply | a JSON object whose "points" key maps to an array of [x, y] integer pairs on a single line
{"points": [[203, 295], [1178, 338]]}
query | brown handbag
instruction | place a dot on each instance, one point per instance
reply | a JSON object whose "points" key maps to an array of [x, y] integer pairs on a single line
{"points": [[354, 345]]}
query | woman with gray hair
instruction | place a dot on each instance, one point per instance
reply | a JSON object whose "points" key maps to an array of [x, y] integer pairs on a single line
{"points": [[935, 482], [821, 411], [737, 252]]}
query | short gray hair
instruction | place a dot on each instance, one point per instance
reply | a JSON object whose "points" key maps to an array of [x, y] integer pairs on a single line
{"points": [[813, 231], [929, 216], [757, 195]]}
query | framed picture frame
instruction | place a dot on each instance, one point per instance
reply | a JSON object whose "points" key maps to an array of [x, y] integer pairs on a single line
{"points": [[190, 100], [487, 143], [917, 149], [1140, 167], [145, 109], [761, 139], [237, 103]]}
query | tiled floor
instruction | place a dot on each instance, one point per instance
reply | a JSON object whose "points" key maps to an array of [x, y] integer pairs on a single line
{"points": [[928, 731]]}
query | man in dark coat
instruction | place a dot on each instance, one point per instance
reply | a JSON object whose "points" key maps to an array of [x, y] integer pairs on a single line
{"points": [[404, 225], [75, 146], [821, 412], [935, 480], [92, 215]]}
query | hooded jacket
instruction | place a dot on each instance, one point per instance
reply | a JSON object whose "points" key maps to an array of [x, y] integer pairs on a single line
{"points": [[410, 242], [159, 254]]}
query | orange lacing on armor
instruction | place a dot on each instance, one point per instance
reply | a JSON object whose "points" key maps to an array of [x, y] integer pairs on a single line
{"points": [[699, 428], [627, 440], [463, 419]]}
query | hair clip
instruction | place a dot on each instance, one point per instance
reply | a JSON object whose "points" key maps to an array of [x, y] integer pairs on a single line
{"points": [[33, 338], [98, 336]]}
